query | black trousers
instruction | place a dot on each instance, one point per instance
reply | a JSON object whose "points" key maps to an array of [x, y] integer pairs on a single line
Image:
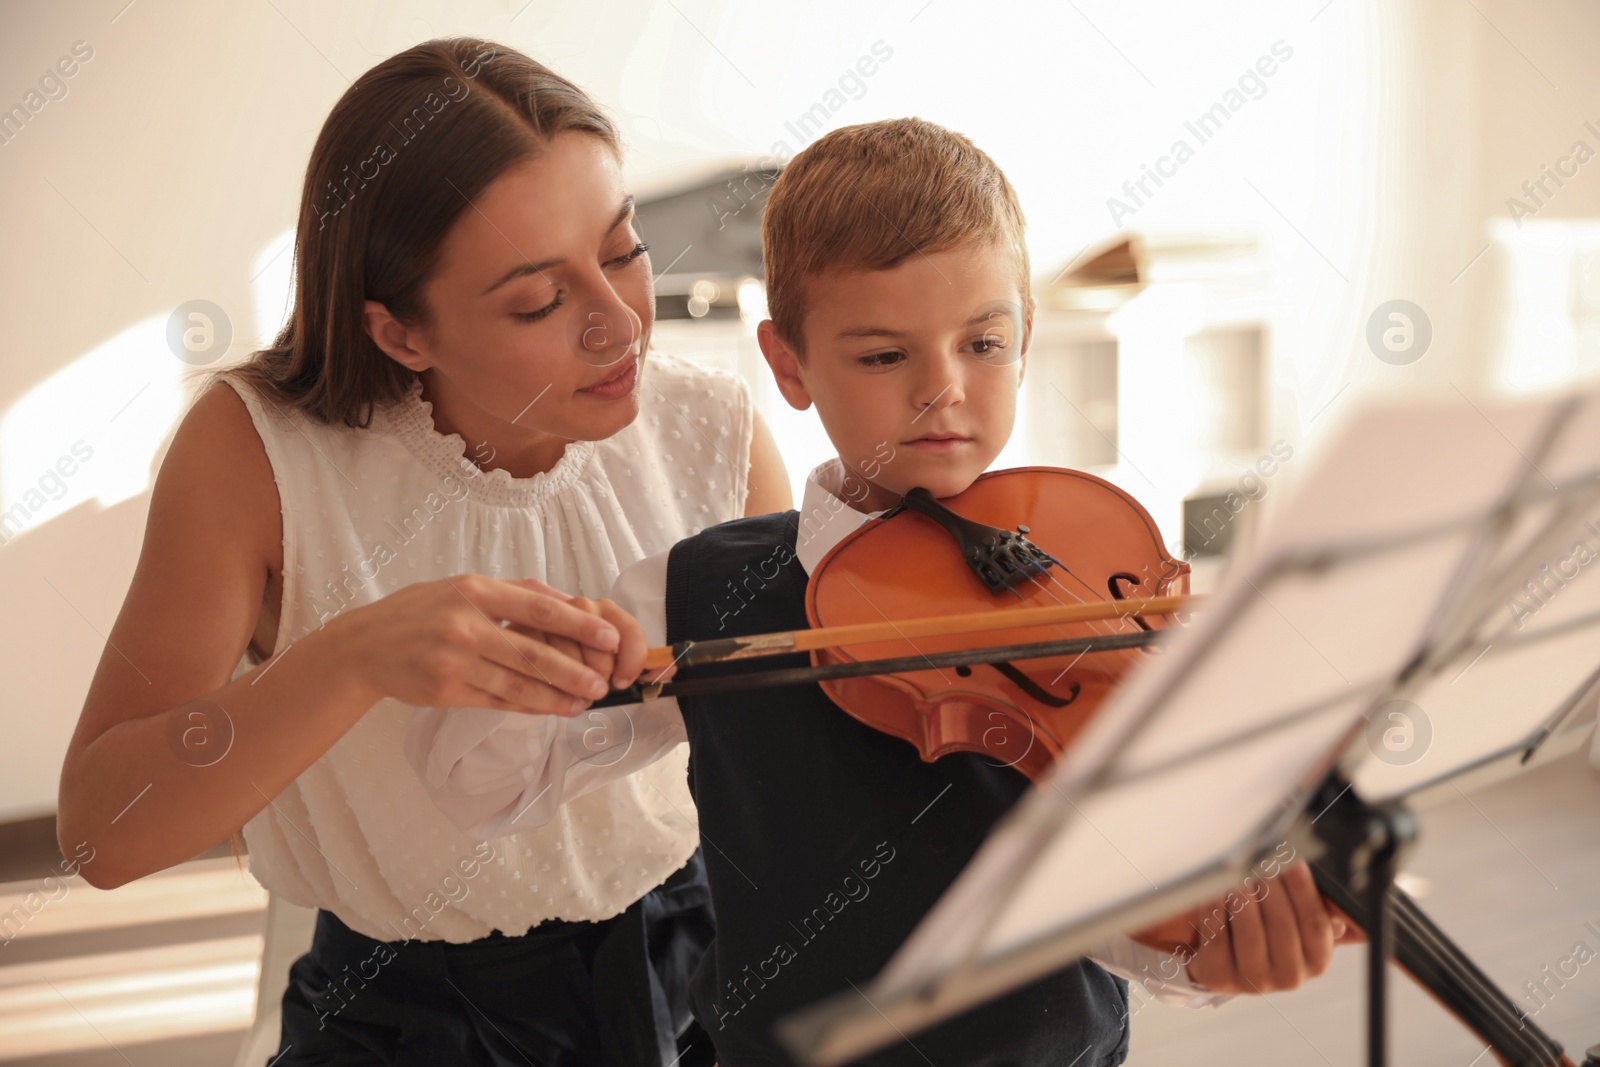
{"points": [[612, 993]]}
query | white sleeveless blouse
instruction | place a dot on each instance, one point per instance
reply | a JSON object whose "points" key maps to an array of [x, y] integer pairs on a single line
{"points": [[367, 512]]}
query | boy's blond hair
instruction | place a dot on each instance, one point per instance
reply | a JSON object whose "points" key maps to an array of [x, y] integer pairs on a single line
{"points": [[866, 197]]}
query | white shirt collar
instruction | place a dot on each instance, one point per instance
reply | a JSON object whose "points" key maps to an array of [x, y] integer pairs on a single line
{"points": [[825, 517]]}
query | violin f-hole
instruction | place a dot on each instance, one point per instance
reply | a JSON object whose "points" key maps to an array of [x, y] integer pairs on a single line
{"points": [[1118, 593], [1034, 689]]}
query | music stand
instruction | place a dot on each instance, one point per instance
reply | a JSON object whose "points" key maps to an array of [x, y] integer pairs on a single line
{"points": [[1386, 577]]}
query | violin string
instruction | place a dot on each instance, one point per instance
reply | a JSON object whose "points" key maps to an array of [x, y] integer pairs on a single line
{"points": [[1096, 596], [868, 600], [1093, 625], [1118, 625]]}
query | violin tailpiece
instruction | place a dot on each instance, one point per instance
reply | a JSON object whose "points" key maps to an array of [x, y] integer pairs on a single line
{"points": [[1000, 558]]}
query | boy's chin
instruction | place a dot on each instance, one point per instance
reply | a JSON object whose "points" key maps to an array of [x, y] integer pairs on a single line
{"points": [[942, 483]]}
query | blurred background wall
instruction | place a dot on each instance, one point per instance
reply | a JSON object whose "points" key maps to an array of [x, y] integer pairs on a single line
{"points": [[1341, 155]]}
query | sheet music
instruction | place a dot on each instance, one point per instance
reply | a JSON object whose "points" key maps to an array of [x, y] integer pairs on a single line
{"points": [[1538, 649]]}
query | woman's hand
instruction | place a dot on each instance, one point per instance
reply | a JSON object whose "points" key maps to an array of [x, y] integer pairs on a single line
{"points": [[622, 667], [470, 640]]}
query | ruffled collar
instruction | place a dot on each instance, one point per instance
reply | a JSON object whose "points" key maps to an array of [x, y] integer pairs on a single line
{"points": [[410, 420]]}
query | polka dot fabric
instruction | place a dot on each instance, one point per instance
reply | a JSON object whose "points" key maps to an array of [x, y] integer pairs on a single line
{"points": [[367, 512]]}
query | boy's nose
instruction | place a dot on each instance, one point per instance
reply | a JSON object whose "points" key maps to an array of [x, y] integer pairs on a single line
{"points": [[940, 389]]}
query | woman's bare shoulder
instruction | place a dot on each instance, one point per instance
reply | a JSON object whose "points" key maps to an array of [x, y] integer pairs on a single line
{"points": [[218, 475]]}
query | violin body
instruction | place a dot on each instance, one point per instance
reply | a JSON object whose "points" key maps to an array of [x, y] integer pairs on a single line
{"points": [[1102, 546]]}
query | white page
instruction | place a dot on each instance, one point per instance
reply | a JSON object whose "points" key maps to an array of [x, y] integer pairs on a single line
{"points": [[1536, 649]]}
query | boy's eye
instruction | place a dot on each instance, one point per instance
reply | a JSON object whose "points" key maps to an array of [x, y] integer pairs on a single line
{"points": [[628, 257], [881, 359], [989, 347], [535, 316]]}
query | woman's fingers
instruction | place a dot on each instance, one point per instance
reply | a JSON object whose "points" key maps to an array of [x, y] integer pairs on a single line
{"points": [[576, 645], [597, 662], [538, 661], [623, 667], [631, 648], [537, 586], [535, 609], [489, 685], [602, 663]]}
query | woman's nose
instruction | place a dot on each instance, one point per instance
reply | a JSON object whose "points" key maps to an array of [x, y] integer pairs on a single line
{"points": [[604, 331]]}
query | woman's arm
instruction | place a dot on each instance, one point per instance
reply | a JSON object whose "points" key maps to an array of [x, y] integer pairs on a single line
{"points": [[133, 785], [769, 480], [170, 757]]}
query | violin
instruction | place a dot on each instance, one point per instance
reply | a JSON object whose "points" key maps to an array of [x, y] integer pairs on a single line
{"points": [[1069, 579], [1084, 541]]}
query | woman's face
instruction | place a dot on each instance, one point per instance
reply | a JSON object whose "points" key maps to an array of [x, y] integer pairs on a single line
{"points": [[540, 307]]}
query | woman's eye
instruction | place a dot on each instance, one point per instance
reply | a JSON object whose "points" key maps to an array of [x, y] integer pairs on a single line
{"points": [[535, 316], [987, 346], [623, 260]]}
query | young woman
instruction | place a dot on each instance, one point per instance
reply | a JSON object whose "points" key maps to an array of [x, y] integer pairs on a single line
{"points": [[360, 521]]}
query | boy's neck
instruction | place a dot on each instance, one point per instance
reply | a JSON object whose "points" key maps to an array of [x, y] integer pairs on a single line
{"points": [[847, 485]]}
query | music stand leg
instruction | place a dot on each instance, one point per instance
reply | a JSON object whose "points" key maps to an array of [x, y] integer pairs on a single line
{"points": [[1364, 846]]}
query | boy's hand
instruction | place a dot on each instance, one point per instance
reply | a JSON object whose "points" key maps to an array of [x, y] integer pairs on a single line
{"points": [[621, 666], [1272, 938]]}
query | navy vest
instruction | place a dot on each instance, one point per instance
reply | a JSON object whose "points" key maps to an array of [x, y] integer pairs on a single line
{"points": [[825, 841]]}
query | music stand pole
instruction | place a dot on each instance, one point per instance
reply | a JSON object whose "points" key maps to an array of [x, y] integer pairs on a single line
{"points": [[1364, 846]]}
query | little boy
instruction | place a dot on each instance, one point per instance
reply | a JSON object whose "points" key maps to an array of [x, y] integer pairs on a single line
{"points": [[898, 286]]}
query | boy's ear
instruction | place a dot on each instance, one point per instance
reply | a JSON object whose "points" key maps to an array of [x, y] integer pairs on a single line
{"points": [[395, 338], [1027, 340], [785, 363]]}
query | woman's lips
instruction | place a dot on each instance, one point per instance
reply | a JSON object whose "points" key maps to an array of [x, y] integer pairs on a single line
{"points": [[618, 385]]}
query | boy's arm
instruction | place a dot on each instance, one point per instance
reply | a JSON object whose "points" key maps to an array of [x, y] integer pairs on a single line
{"points": [[495, 772]]}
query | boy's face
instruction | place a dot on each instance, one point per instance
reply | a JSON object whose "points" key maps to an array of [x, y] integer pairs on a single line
{"points": [[914, 370]]}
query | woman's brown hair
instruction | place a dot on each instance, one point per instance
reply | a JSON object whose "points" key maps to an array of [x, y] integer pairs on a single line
{"points": [[404, 152]]}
